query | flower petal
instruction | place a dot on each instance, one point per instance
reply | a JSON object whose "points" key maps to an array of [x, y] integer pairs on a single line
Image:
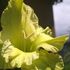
{"points": [[16, 57], [49, 61]]}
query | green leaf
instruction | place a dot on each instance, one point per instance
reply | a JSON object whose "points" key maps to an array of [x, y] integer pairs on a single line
{"points": [[66, 58], [67, 66]]}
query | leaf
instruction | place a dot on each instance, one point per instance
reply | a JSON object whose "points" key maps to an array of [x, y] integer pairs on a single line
{"points": [[66, 58]]}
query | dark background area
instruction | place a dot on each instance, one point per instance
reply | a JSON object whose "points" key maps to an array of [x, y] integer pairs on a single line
{"points": [[44, 11], [3, 4]]}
